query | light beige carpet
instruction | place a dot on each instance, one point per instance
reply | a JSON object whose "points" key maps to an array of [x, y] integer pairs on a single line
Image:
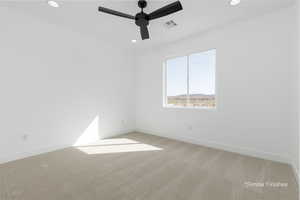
{"points": [[144, 167]]}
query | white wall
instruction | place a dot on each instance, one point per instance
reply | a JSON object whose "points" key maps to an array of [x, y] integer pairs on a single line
{"points": [[53, 84], [256, 89], [297, 137]]}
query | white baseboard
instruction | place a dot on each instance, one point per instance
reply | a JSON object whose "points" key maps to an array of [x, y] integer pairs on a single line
{"points": [[117, 133], [297, 175], [248, 152], [21, 155], [225, 147]]}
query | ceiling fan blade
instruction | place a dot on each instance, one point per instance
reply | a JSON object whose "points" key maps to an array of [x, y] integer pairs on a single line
{"points": [[113, 12], [166, 10], [144, 32]]}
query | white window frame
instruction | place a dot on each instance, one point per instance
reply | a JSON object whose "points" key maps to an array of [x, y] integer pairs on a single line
{"points": [[165, 103]]}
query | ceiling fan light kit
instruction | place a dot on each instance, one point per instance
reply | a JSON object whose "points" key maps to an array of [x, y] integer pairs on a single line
{"points": [[142, 19]]}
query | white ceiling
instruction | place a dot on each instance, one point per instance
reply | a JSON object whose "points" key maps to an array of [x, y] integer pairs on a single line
{"points": [[198, 16]]}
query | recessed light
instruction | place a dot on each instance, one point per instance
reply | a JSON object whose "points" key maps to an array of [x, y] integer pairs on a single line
{"points": [[133, 41], [235, 2], [53, 4]]}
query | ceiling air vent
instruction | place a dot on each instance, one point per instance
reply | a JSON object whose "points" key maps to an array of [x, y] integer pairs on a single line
{"points": [[170, 24]]}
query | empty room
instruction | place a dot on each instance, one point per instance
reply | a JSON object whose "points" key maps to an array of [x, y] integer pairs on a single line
{"points": [[149, 99]]}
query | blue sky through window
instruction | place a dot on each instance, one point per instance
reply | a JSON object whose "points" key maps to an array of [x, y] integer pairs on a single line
{"points": [[201, 74], [177, 76]]}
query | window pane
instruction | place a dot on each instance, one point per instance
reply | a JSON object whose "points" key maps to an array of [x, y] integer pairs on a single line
{"points": [[202, 68], [177, 81]]}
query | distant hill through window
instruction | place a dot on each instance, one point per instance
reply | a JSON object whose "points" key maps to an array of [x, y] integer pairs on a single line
{"points": [[190, 80], [194, 100]]}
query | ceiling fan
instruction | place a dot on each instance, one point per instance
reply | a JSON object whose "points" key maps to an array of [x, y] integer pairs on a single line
{"points": [[142, 19]]}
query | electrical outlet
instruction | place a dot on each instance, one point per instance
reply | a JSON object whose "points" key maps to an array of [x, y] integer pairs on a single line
{"points": [[25, 137], [123, 123]]}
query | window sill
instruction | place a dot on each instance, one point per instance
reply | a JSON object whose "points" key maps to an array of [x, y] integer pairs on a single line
{"points": [[190, 108]]}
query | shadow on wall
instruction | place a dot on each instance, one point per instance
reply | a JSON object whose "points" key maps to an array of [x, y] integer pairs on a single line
{"points": [[91, 143]]}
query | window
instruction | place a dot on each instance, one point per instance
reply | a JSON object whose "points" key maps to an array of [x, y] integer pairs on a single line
{"points": [[190, 81]]}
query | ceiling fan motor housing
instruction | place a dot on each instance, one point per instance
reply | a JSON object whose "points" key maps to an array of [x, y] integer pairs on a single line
{"points": [[142, 19]]}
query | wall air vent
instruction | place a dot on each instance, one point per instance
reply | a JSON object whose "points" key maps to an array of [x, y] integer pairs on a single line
{"points": [[170, 24]]}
